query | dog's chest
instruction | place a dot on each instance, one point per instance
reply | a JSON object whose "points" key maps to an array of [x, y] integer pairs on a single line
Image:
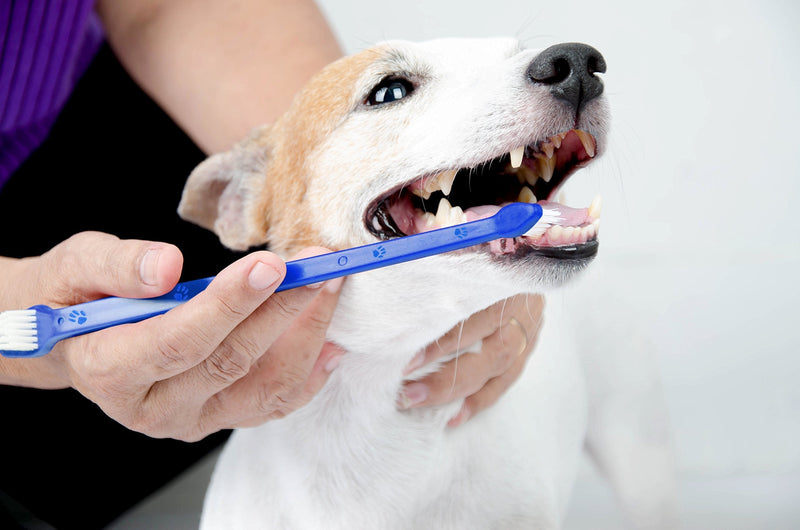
{"points": [[350, 459]]}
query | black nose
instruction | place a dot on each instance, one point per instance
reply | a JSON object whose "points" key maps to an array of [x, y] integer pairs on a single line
{"points": [[568, 69]]}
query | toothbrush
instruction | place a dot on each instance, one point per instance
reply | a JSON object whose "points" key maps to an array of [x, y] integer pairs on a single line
{"points": [[33, 332]]}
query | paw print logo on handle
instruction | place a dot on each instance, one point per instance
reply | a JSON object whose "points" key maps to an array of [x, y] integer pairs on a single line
{"points": [[379, 252], [78, 317], [461, 232], [181, 293]]}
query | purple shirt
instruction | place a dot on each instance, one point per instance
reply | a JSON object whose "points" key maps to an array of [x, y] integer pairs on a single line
{"points": [[45, 46]]}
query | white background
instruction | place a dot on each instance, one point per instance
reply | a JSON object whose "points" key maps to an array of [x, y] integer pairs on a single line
{"points": [[699, 247]]}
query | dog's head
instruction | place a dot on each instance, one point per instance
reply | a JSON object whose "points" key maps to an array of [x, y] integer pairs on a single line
{"points": [[407, 137]]}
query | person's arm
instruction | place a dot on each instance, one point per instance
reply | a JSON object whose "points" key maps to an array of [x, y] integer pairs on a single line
{"points": [[220, 68], [235, 355]]}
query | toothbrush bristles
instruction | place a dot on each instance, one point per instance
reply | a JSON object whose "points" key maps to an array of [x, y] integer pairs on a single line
{"points": [[18, 330], [550, 217]]}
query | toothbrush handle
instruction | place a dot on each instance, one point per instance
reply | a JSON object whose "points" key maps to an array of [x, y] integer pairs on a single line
{"points": [[511, 221], [112, 311]]}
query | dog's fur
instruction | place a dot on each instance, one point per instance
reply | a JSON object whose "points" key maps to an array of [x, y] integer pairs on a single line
{"points": [[350, 459]]}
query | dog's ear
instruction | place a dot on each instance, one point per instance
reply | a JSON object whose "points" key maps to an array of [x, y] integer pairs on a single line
{"points": [[219, 192]]}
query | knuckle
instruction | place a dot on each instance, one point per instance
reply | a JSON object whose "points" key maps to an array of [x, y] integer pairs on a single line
{"points": [[230, 311], [506, 355], [277, 398], [227, 364], [285, 310], [175, 346]]}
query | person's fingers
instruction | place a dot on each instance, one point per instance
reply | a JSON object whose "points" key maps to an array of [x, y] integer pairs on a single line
{"points": [[93, 264], [476, 328], [489, 393], [258, 332], [469, 374], [164, 346], [292, 371]]}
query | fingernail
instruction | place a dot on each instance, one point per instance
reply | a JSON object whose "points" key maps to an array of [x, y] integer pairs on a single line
{"points": [[416, 362], [414, 394], [262, 276], [333, 362], [460, 418], [148, 267]]}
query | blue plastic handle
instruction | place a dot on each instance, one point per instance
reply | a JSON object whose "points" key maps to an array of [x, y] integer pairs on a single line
{"points": [[511, 221]]}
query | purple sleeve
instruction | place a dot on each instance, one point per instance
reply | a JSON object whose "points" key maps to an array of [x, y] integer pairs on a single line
{"points": [[45, 46]]}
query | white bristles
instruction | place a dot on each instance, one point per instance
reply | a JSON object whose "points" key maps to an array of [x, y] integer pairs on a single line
{"points": [[549, 218], [18, 330]]}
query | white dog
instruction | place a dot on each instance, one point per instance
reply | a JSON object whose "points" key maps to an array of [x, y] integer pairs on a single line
{"points": [[395, 140]]}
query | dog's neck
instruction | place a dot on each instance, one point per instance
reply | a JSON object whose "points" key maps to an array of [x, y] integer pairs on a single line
{"points": [[382, 325]]}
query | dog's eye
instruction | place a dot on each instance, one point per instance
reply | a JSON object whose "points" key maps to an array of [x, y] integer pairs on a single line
{"points": [[389, 90]]}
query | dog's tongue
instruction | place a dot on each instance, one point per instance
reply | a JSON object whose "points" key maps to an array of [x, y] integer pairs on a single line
{"points": [[567, 216]]}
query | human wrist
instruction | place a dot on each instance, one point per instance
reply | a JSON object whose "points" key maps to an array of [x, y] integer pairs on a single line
{"points": [[43, 372]]}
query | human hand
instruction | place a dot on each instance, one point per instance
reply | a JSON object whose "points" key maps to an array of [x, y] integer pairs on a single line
{"points": [[233, 356], [509, 330]]}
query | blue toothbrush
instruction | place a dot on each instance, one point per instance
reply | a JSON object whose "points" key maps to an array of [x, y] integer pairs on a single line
{"points": [[33, 332]]}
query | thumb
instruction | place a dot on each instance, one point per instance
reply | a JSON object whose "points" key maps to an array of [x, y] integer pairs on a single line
{"points": [[91, 265]]}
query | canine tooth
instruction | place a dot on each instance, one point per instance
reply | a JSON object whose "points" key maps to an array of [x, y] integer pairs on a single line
{"points": [[546, 168], [443, 213], [526, 195], [516, 156], [431, 184], [596, 207], [548, 149], [446, 179], [587, 141]]}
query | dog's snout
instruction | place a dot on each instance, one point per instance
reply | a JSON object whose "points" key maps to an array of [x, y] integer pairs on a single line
{"points": [[569, 70]]}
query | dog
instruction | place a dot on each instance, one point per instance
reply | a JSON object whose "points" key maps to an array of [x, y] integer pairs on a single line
{"points": [[398, 139]]}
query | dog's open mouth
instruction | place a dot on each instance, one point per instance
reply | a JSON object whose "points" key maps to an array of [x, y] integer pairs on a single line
{"points": [[532, 173]]}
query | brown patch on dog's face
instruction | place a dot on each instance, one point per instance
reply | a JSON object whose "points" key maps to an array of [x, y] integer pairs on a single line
{"points": [[280, 212], [256, 193]]}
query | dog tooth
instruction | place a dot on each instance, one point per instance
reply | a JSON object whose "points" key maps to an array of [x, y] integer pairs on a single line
{"points": [[419, 192], [516, 156], [457, 216], [548, 149], [571, 232], [555, 234], [446, 179], [526, 195], [431, 184], [587, 141], [443, 212], [546, 168], [596, 207], [528, 175]]}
